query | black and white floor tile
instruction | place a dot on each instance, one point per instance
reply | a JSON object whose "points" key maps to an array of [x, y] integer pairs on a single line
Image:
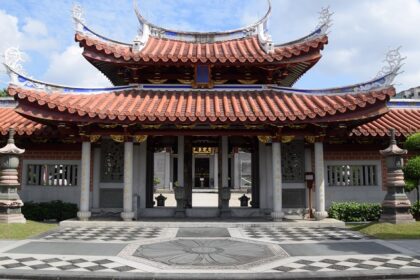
{"points": [[56, 263], [108, 234], [287, 235], [350, 263]]}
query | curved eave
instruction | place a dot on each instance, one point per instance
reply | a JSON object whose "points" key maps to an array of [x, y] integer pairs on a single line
{"points": [[9, 118], [247, 50], [405, 121], [216, 107]]}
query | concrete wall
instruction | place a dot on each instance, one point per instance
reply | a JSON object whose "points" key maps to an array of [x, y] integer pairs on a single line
{"points": [[42, 193]]}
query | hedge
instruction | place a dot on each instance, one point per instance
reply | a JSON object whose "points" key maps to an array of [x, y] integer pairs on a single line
{"points": [[355, 212], [46, 211]]}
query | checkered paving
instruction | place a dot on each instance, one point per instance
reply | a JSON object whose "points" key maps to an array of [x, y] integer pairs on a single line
{"points": [[61, 264], [343, 264], [288, 235], [108, 234]]}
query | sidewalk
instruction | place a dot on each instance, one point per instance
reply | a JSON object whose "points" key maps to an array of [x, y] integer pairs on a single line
{"points": [[220, 252]]}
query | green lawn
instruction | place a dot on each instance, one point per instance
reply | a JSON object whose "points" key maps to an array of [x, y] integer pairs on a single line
{"points": [[22, 231], [390, 231]]}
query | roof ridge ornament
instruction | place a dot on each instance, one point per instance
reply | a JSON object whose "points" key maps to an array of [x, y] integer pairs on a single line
{"points": [[78, 15], [13, 59], [325, 21], [394, 62], [258, 28]]}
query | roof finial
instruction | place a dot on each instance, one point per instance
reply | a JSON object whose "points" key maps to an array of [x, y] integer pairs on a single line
{"points": [[394, 62], [10, 148], [325, 20], [78, 17], [12, 133]]}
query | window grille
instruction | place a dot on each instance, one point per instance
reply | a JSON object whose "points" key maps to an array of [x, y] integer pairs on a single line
{"points": [[352, 175], [112, 162], [293, 162], [62, 175]]}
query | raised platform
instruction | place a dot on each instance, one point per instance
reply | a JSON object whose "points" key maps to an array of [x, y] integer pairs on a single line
{"points": [[204, 222]]}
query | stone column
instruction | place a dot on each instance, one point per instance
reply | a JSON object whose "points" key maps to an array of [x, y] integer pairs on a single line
{"points": [[167, 169], [84, 213], [320, 212], [308, 168], [236, 170], [128, 214], [224, 191], [277, 213], [225, 162], [216, 170], [180, 161]]}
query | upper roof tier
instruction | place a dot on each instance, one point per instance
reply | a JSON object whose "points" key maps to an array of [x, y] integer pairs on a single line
{"points": [[250, 46], [148, 30]]}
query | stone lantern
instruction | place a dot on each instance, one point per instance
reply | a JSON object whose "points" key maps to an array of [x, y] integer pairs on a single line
{"points": [[10, 202], [396, 205]]}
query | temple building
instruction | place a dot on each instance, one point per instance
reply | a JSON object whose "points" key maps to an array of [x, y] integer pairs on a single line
{"points": [[192, 114]]}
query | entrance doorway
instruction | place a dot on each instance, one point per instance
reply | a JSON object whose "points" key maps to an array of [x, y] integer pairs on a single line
{"points": [[202, 173]]}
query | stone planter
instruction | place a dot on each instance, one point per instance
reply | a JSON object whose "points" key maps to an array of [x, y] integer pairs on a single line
{"points": [[180, 198], [225, 197]]}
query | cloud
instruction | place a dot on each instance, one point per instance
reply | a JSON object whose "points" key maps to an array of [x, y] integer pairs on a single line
{"points": [[32, 37], [70, 68]]}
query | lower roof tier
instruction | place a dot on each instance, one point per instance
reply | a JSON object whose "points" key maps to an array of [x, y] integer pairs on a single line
{"points": [[406, 121], [250, 107]]}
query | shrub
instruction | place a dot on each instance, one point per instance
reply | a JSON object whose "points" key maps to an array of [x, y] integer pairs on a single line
{"points": [[355, 212], [415, 208], [54, 210]]}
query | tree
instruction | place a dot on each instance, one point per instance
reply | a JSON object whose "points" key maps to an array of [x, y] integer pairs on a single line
{"points": [[3, 93], [412, 167]]}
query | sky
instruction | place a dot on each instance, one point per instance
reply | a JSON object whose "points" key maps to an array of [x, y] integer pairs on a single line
{"points": [[362, 32]]}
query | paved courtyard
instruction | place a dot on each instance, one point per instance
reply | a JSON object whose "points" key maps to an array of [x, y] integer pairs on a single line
{"points": [[263, 252]]}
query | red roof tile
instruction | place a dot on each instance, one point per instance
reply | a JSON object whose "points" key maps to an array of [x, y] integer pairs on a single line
{"points": [[205, 106], [405, 121], [23, 126], [242, 50]]}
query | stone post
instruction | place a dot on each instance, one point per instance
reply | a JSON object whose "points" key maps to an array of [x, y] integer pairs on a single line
{"points": [[224, 190], [396, 205], [216, 170], [84, 213], [128, 214], [277, 214], [10, 202], [320, 212]]}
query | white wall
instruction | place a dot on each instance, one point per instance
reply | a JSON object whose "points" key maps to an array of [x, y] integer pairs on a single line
{"points": [[47, 193]]}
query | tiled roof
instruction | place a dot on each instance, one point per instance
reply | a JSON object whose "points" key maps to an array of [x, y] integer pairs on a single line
{"points": [[253, 106], [242, 50], [405, 121], [23, 126]]}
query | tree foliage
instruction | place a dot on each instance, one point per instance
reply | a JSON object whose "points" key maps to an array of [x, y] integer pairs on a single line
{"points": [[413, 142], [412, 167], [3, 93]]}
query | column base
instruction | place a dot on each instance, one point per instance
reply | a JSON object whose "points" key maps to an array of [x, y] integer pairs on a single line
{"points": [[277, 216], [320, 215], [84, 216], [397, 218], [127, 216], [12, 219], [225, 213]]}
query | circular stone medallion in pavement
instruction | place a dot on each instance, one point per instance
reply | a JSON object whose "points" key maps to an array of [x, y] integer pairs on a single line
{"points": [[207, 252]]}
